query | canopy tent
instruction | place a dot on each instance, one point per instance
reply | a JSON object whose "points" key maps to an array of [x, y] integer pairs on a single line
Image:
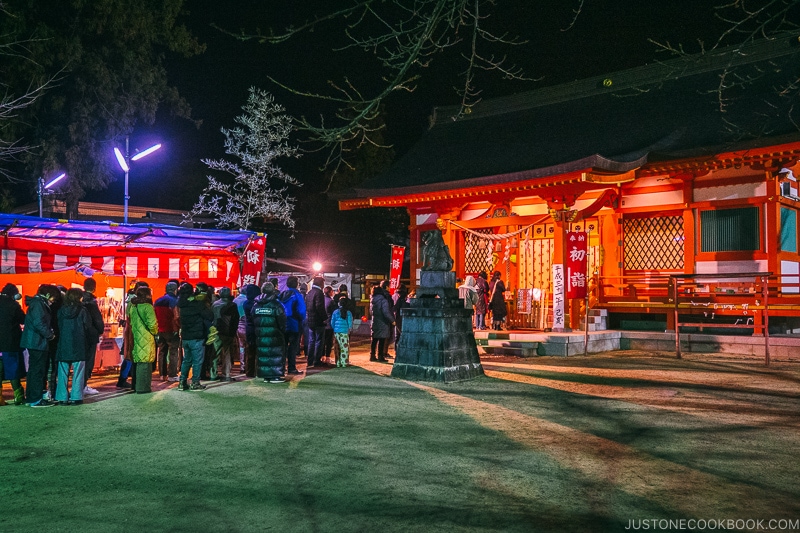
{"points": [[153, 252]]}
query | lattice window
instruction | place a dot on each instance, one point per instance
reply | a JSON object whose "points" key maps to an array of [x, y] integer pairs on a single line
{"points": [[653, 243], [477, 252]]}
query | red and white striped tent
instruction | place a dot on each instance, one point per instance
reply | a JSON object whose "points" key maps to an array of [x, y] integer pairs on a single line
{"points": [[36, 250]]}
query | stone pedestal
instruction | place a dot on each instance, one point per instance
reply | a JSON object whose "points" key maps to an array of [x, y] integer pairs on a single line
{"points": [[437, 342]]}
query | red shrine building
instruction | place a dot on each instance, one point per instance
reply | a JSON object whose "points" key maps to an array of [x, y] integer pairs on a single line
{"points": [[680, 170]]}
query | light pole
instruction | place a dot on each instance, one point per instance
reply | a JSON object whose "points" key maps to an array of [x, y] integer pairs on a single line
{"points": [[41, 188], [124, 163]]}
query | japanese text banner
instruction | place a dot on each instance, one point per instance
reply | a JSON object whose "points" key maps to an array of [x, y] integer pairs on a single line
{"points": [[576, 264], [396, 267], [253, 261]]}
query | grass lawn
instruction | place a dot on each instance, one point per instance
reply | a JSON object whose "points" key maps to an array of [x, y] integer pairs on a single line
{"points": [[548, 444]]}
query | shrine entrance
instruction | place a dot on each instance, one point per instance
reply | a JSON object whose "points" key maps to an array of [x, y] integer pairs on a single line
{"points": [[524, 257]]}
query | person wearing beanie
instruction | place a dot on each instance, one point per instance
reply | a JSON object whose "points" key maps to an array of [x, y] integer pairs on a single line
{"points": [[192, 315], [96, 328], [226, 322], [252, 292], [168, 338], [36, 336], [73, 329], [269, 322], [144, 327], [295, 307], [12, 363]]}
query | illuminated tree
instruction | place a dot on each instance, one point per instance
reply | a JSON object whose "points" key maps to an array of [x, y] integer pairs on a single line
{"points": [[259, 188]]}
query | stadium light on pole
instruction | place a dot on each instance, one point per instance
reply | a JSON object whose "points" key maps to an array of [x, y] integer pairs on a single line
{"points": [[124, 164], [44, 188]]}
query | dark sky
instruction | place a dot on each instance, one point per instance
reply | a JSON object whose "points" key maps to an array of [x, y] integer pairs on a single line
{"points": [[608, 35]]}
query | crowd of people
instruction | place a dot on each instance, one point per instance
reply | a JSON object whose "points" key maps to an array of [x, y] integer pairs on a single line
{"points": [[487, 298], [190, 333], [193, 333]]}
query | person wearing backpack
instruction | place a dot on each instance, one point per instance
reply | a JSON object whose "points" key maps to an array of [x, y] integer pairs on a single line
{"points": [[342, 323], [295, 307]]}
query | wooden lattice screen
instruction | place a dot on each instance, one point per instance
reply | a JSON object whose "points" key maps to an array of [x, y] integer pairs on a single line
{"points": [[654, 243]]}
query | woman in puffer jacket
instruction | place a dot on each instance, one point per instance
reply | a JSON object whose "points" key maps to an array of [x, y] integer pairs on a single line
{"points": [[269, 323], [144, 327]]}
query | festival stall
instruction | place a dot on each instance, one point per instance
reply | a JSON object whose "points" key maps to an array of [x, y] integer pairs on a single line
{"points": [[35, 250]]}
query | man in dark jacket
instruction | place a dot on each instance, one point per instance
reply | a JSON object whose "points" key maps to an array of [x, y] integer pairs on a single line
{"points": [[36, 336], [315, 319], [295, 307], [330, 307], [12, 364], [193, 313], [168, 338], [251, 292], [226, 322], [96, 328], [269, 321]]}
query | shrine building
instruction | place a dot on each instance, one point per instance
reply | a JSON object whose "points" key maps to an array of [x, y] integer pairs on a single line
{"points": [[681, 174]]}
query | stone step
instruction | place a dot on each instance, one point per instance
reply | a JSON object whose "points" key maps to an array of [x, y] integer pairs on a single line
{"points": [[509, 351], [508, 347]]}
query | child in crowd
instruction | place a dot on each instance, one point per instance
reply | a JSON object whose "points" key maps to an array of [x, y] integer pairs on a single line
{"points": [[342, 323]]}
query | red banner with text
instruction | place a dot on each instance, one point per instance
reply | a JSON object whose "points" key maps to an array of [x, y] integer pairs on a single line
{"points": [[396, 268], [577, 248], [253, 261]]}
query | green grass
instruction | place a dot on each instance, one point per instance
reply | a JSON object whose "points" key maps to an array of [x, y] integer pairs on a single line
{"points": [[345, 450]]}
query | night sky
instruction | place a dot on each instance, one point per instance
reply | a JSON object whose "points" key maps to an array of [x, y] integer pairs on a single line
{"points": [[608, 35]]}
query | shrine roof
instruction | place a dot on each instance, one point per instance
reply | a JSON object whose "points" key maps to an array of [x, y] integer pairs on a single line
{"points": [[613, 123]]}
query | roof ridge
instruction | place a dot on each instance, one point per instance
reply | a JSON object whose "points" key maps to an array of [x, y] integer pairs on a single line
{"points": [[657, 72]]}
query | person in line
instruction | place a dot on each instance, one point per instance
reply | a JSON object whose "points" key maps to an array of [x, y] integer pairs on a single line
{"points": [[96, 329], [342, 323], [37, 334], [303, 288], [330, 307], [269, 324], [382, 323], [481, 306], [468, 292], [126, 367], [74, 328], [241, 331], [192, 315], [295, 307], [253, 293], [387, 293], [144, 327], [497, 302], [226, 322], [399, 300], [205, 292], [168, 337], [12, 363], [52, 346], [315, 318]]}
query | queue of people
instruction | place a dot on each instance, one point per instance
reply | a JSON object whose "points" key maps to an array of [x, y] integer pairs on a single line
{"points": [[190, 333]]}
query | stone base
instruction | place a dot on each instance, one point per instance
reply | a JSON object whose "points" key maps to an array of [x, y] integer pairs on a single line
{"points": [[437, 343]]}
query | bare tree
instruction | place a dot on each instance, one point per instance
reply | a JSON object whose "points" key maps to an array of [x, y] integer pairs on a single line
{"points": [[743, 23], [11, 104], [259, 188], [404, 37]]}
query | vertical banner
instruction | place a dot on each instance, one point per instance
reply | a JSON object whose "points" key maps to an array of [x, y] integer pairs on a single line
{"points": [[558, 297], [576, 264], [253, 261], [396, 268]]}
